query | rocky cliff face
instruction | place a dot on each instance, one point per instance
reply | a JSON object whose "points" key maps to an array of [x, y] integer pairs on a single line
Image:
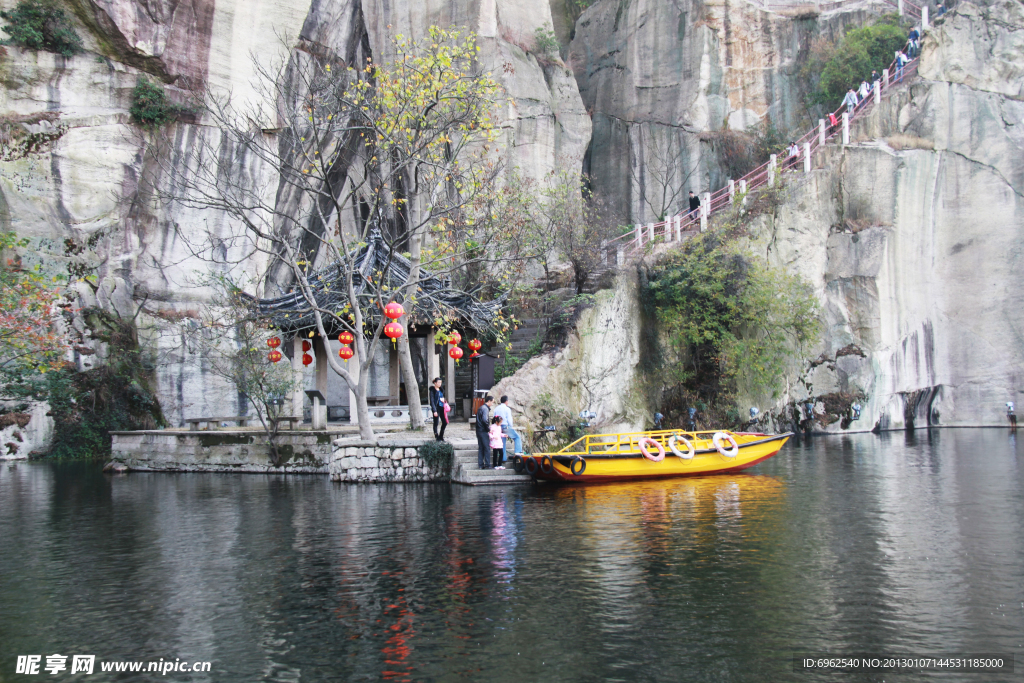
{"points": [[910, 234], [659, 76], [81, 182], [912, 237]]}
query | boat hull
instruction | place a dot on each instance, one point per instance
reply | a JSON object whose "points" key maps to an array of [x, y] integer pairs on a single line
{"points": [[752, 449]]}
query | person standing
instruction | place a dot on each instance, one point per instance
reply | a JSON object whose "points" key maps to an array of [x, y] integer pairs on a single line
{"points": [[875, 78], [438, 405], [864, 90], [507, 426], [694, 205], [483, 425], [1011, 416], [497, 443]]}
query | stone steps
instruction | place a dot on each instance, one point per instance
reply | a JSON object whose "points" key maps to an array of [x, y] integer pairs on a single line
{"points": [[464, 469]]}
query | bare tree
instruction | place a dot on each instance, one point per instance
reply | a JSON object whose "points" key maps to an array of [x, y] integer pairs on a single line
{"points": [[576, 223], [230, 338], [659, 174], [400, 152]]}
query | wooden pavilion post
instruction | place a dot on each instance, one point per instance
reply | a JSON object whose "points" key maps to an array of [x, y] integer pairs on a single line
{"points": [[297, 394], [433, 366], [449, 389], [394, 377], [321, 347]]}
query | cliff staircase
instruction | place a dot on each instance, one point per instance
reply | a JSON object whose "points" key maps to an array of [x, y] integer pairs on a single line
{"points": [[834, 128]]}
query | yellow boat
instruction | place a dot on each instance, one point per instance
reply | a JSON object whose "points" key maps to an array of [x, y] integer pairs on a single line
{"points": [[648, 455]]}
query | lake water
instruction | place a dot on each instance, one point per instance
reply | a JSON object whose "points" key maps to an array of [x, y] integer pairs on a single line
{"points": [[866, 544]]}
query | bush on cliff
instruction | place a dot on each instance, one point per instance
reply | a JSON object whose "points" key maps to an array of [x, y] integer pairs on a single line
{"points": [[150, 106], [730, 321], [841, 66], [41, 25]]}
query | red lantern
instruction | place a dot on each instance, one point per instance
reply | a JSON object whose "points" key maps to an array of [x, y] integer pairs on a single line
{"points": [[455, 352], [474, 355], [273, 343], [346, 352], [394, 310], [274, 356], [307, 359], [393, 331], [346, 337], [455, 339], [306, 346], [475, 344]]}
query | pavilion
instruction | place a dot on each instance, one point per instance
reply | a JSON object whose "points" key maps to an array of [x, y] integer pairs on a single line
{"points": [[435, 300]]}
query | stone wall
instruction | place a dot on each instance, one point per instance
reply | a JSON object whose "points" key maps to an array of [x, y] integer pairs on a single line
{"points": [[219, 451], [382, 460]]}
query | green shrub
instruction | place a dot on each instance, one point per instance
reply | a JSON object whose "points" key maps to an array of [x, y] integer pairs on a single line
{"points": [[855, 56], [150, 106], [41, 25], [438, 455], [731, 320], [545, 40]]}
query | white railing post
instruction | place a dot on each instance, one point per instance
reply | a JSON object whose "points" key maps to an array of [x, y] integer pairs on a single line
{"points": [[650, 232], [639, 239], [924, 18], [732, 190], [604, 252], [821, 132], [706, 206], [679, 228], [703, 220], [899, 7], [846, 127], [807, 157], [878, 93], [620, 257], [771, 169], [885, 77], [743, 191]]}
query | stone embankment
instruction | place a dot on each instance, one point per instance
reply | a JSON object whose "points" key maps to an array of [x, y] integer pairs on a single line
{"points": [[346, 459]]}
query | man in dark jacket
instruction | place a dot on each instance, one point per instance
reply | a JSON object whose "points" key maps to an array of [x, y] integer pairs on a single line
{"points": [[483, 424], [694, 203]]}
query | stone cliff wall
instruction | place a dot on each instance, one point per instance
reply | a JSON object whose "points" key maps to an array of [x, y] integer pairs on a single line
{"points": [[657, 77], [84, 184], [913, 236]]}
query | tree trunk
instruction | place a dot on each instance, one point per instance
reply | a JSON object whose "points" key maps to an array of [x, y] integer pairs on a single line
{"points": [[412, 387], [362, 410]]}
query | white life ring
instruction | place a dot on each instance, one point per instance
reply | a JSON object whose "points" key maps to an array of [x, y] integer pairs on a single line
{"points": [[675, 451], [719, 437], [652, 458]]}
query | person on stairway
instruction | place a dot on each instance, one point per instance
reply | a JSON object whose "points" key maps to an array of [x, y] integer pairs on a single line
{"points": [[694, 205], [864, 90], [497, 443], [850, 101], [507, 427], [483, 426]]}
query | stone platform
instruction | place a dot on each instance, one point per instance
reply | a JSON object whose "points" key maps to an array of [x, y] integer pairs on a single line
{"points": [[338, 452]]}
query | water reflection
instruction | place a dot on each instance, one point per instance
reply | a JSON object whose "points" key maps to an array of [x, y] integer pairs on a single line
{"points": [[852, 544]]}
